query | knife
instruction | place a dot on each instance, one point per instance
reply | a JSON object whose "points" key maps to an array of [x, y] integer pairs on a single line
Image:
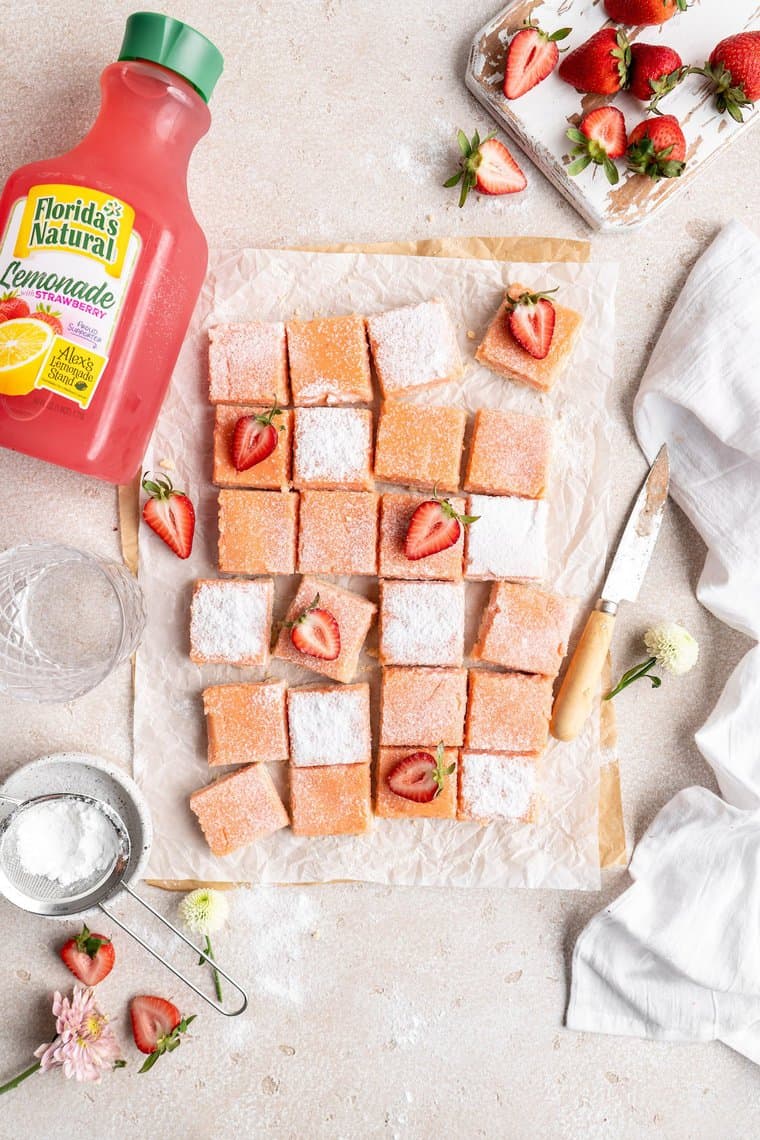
{"points": [[573, 703]]}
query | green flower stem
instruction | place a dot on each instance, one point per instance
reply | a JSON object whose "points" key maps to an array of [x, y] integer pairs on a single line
{"points": [[21, 1077], [636, 674], [209, 957]]}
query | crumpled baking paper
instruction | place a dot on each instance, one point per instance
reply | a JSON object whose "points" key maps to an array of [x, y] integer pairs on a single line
{"points": [[561, 850]]}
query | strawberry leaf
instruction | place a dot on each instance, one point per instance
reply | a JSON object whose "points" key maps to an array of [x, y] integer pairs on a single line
{"points": [[455, 179], [464, 144]]}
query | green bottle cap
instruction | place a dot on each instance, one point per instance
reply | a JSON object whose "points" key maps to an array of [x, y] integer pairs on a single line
{"points": [[176, 46]]}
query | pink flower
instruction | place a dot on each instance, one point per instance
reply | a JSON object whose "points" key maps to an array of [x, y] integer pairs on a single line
{"points": [[86, 1045]]}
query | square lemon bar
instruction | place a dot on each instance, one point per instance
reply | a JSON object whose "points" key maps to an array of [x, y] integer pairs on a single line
{"points": [[231, 622], [329, 361], [238, 809], [273, 473], [333, 800], [332, 449], [248, 363], [329, 725], [420, 446], [246, 723], [352, 612], [414, 347], [390, 806], [509, 454], [257, 532], [338, 532], [507, 712], [500, 352], [524, 628], [497, 787], [396, 510]]}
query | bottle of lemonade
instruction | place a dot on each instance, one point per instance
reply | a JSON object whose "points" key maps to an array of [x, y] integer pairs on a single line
{"points": [[102, 260]]}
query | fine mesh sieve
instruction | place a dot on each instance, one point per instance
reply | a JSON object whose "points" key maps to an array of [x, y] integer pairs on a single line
{"points": [[52, 899]]}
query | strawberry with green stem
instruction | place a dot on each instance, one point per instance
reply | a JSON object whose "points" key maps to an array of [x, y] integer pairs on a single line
{"points": [[657, 148], [48, 316], [599, 138], [733, 70], [600, 64], [531, 57], [315, 632], [12, 307], [434, 526], [420, 777], [486, 166], [89, 956], [170, 513], [156, 1027], [255, 438], [531, 318]]}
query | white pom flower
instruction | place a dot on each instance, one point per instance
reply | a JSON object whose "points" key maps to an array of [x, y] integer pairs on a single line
{"points": [[204, 911], [673, 646]]}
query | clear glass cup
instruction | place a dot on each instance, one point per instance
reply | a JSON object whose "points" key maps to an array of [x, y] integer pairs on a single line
{"points": [[67, 619]]}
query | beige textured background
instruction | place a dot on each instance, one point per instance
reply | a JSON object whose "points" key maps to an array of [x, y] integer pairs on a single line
{"points": [[374, 1012]]}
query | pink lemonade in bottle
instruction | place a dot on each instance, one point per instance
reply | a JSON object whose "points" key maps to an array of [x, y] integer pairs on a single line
{"points": [[102, 261]]}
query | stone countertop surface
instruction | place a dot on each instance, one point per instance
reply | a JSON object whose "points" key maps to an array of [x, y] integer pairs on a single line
{"points": [[374, 1011]]}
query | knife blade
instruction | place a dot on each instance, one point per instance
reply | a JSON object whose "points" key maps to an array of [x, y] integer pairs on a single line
{"points": [[623, 582], [634, 550]]}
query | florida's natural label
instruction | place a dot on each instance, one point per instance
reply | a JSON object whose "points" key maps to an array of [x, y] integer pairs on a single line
{"points": [[66, 261]]}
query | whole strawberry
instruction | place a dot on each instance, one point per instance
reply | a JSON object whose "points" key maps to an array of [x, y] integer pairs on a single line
{"points": [[12, 307], [486, 166], [600, 64], [48, 316], [657, 148], [655, 70], [733, 69], [531, 56], [643, 11]]}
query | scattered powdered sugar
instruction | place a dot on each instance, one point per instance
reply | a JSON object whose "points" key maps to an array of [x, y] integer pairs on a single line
{"points": [[332, 446], [66, 841], [497, 787], [414, 346], [329, 726], [422, 623], [278, 926], [231, 620], [509, 538]]}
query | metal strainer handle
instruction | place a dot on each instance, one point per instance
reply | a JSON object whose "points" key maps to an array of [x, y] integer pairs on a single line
{"points": [[200, 952]]}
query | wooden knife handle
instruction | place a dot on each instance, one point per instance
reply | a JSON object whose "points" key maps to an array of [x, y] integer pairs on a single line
{"points": [[576, 693]]}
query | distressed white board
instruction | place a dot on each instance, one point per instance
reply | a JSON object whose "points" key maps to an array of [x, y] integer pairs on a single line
{"points": [[538, 120]]}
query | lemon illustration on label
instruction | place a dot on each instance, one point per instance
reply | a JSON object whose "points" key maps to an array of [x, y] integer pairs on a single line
{"points": [[23, 345]]}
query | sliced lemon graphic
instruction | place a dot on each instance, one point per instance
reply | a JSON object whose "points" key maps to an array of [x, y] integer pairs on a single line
{"points": [[23, 345]]}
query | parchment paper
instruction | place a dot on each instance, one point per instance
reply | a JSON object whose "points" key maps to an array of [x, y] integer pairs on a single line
{"points": [[562, 850]]}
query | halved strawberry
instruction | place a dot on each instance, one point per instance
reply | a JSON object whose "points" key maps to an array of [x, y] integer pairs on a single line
{"points": [[89, 956], [531, 56], [12, 306], [48, 316], [255, 438], [657, 148], [433, 527], [531, 321], [486, 166], [156, 1027], [169, 513], [420, 776], [599, 137], [315, 632]]}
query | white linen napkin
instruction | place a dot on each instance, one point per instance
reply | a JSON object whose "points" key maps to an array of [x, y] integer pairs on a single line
{"points": [[677, 956]]}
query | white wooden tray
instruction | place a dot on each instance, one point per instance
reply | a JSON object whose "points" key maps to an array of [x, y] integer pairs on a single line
{"points": [[538, 121]]}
